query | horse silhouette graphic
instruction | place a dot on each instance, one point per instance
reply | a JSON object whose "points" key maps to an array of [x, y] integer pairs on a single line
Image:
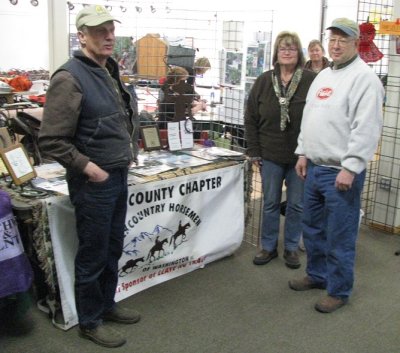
{"points": [[180, 232], [130, 265], [157, 247]]}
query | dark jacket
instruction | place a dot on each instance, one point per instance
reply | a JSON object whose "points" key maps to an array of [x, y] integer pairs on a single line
{"points": [[175, 102], [262, 120], [325, 64], [89, 116]]}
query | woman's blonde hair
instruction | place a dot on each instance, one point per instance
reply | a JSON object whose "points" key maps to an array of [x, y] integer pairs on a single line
{"points": [[289, 39], [201, 65]]}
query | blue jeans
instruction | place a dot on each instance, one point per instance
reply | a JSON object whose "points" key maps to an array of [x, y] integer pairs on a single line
{"points": [[100, 211], [330, 228], [273, 175]]}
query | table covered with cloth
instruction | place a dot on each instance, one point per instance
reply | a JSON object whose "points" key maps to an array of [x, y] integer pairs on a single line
{"points": [[40, 248]]}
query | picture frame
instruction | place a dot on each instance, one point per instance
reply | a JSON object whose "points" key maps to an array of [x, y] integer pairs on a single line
{"points": [[17, 163], [3, 168], [151, 137], [5, 138]]}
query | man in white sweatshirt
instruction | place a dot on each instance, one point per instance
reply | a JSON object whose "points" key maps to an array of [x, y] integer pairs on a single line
{"points": [[340, 130]]}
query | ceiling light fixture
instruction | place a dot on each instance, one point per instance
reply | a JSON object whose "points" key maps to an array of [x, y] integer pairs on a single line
{"points": [[35, 2], [138, 9], [123, 9], [152, 9], [108, 7], [13, 2], [70, 6]]}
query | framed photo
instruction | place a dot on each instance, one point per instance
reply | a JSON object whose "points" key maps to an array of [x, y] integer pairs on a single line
{"points": [[5, 139], [17, 163], [151, 137], [3, 168]]}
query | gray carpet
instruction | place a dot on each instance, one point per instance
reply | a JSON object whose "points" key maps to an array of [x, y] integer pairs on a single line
{"points": [[236, 307]]}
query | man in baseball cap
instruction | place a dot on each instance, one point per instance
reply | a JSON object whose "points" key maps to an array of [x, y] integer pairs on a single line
{"points": [[92, 16], [340, 131], [90, 125]]}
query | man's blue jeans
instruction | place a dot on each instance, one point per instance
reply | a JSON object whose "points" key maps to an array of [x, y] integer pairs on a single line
{"points": [[273, 176], [100, 210], [330, 228]]}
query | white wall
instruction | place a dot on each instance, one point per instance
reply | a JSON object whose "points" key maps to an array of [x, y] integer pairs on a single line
{"points": [[23, 35], [24, 28]]}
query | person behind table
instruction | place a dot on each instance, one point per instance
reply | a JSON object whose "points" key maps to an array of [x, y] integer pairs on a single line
{"points": [[317, 61], [167, 95], [339, 135], [90, 125], [272, 124], [200, 67]]}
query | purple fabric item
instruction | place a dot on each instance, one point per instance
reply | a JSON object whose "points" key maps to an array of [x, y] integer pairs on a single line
{"points": [[15, 270]]}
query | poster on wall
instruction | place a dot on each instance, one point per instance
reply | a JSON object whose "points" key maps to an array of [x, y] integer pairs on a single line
{"points": [[255, 60], [172, 227], [233, 68]]}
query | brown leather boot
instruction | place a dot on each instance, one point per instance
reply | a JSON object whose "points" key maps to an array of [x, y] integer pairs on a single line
{"points": [[291, 259], [329, 304], [304, 284], [103, 335], [264, 256]]}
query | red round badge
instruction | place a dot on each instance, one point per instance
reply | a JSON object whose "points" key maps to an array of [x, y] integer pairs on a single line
{"points": [[324, 93]]}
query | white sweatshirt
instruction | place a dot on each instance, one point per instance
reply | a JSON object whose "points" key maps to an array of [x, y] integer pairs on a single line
{"points": [[342, 119]]}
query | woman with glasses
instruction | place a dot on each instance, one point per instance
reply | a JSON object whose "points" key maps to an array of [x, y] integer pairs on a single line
{"points": [[272, 121], [316, 53]]}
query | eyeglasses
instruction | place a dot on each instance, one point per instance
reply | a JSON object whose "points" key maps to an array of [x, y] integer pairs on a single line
{"points": [[290, 50], [339, 41]]}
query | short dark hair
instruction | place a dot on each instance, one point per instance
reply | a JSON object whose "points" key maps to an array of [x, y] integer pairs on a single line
{"points": [[316, 42]]}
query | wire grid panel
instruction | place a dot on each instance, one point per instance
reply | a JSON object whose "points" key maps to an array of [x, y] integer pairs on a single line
{"points": [[254, 205], [238, 46], [380, 196]]}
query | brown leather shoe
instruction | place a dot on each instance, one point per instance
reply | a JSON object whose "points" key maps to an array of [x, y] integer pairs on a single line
{"points": [[103, 336], [264, 256], [329, 304], [304, 284], [292, 259], [122, 315]]}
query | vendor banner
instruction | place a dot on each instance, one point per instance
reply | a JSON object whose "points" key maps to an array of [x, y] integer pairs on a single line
{"points": [[178, 225], [172, 227]]}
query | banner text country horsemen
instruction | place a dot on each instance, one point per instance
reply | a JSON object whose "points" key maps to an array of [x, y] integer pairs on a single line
{"points": [[165, 193]]}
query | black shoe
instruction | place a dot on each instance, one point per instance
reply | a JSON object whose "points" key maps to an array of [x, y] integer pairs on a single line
{"points": [[122, 315], [264, 256], [103, 336], [291, 259]]}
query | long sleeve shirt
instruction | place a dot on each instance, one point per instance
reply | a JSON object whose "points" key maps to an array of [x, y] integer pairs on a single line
{"points": [[342, 119]]}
